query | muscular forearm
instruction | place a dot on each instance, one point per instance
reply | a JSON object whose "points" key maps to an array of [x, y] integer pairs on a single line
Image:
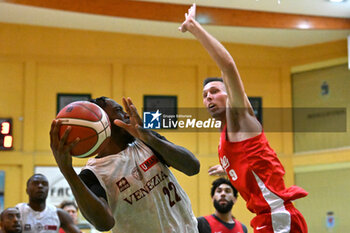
{"points": [[174, 155], [94, 209]]}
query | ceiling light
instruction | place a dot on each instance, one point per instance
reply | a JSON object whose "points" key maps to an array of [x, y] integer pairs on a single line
{"points": [[304, 25], [337, 1], [203, 19]]}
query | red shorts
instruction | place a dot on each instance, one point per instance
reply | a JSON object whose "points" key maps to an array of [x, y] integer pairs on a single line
{"points": [[288, 220]]}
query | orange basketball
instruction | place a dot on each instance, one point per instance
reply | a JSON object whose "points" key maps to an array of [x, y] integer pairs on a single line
{"points": [[89, 122]]}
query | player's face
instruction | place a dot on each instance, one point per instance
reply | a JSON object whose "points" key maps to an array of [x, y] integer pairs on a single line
{"points": [[214, 99], [223, 198], [72, 211], [115, 111], [11, 221], [38, 188]]}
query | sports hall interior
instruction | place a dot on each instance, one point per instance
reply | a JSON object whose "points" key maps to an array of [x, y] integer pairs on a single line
{"points": [[38, 62]]}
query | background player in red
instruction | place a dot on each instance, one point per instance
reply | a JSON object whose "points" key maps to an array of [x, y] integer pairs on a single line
{"points": [[224, 196], [244, 152], [72, 209]]}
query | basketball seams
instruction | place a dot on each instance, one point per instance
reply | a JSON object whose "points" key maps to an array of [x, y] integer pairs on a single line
{"points": [[91, 110], [95, 125], [98, 122]]}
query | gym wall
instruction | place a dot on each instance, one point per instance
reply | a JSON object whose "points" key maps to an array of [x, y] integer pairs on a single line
{"points": [[36, 63]]}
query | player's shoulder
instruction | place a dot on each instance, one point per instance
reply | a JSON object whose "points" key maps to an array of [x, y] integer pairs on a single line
{"points": [[203, 225], [51, 207], [21, 206]]}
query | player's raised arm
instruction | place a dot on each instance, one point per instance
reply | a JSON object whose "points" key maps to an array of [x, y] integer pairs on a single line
{"points": [[235, 90]]}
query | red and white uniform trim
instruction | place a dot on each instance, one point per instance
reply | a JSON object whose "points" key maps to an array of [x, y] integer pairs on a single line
{"points": [[256, 172]]}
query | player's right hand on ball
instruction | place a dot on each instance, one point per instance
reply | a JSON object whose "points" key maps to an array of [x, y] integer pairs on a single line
{"points": [[60, 148]]}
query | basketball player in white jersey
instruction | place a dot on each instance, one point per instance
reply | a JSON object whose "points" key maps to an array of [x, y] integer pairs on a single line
{"points": [[10, 221], [128, 186], [40, 217]]}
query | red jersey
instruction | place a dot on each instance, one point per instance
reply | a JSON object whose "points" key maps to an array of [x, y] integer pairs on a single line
{"points": [[217, 226], [257, 174]]}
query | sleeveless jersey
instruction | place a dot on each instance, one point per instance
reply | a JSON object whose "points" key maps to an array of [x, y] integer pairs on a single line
{"points": [[257, 174], [46, 221], [217, 226], [142, 193]]}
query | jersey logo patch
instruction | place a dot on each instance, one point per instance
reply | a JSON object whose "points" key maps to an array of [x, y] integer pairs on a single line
{"points": [[27, 227], [51, 227], [150, 162], [224, 162], [123, 184], [136, 173], [38, 227]]}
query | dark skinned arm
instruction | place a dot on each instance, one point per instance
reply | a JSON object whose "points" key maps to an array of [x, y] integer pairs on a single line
{"points": [[93, 208], [176, 156], [67, 222]]}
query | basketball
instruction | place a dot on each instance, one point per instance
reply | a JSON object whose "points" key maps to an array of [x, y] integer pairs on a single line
{"points": [[89, 122]]}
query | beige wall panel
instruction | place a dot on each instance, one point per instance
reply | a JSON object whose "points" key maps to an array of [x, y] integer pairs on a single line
{"points": [[11, 95], [56, 78], [328, 191], [163, 79], [307, 93], [13, 185], [70, 61]]}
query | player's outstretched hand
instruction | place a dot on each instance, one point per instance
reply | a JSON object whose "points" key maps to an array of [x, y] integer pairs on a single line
{"points": [[135, 126], [60, 148], [216, 170], [189, 17]]}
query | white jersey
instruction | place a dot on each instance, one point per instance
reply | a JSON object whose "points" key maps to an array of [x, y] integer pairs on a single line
{"points": [[143, 193], [46, 221]]}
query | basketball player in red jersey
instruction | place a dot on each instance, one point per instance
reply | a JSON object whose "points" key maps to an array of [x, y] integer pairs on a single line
{"points": [[244, 152]]}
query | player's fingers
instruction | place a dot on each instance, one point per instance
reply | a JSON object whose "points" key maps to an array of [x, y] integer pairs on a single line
{"points": [[120, 124], [53, 133], [136, 115], [213, 168], [130, 101], [213, 173], [133, 111], [132, 107], [126, 106], [193, 10], [64, 137], [73, 144]]}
